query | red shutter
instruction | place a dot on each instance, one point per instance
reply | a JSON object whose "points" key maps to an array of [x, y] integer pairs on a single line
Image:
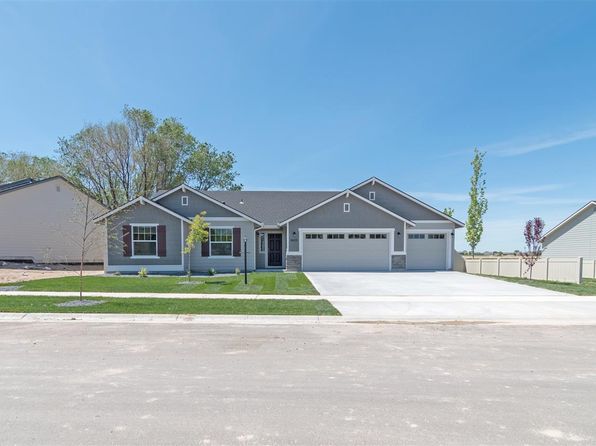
{"points": [[205, 249], [236, 242], [126, 241], [161, 241]]}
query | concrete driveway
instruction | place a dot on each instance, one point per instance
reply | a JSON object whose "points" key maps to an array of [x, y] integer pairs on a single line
{"points": [[447, 295], [439, 283]]}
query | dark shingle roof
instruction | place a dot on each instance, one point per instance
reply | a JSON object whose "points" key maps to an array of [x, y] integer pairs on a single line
{"points": [[271, 207], [16, 184]]}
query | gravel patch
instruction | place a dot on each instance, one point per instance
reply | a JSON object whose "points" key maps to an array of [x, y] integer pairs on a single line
{"points": [[80, 303], [9, 288]]}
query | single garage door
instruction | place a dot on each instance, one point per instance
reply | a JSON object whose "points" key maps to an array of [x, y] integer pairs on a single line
{"points": [[427, 251], [345, 251]]}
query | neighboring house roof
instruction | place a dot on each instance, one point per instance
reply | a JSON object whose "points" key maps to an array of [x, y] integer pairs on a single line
{"points": [[571, 217], [409, 197], [16, 184], [271, 207], [347, 192], [141, 200]]}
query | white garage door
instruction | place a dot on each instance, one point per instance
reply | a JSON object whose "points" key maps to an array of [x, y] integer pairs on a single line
{"points": [[427, 251], [345, 251]]}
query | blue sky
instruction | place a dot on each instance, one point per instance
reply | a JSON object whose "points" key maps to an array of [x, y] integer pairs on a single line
{"points": [[322, 95]]}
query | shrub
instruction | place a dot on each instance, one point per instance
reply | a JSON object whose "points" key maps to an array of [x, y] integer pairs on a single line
{"points": [[237, 271], [143, 272], [212, 272]]}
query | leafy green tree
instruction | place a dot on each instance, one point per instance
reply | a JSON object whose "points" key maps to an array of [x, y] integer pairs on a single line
{"points": [[139, 155], [16, 166], [478, 202], [206, 168], [449, 211], [198, 233]]}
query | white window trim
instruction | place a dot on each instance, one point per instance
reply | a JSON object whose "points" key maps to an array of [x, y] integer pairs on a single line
{"points": [[184, 200], [372, 195], [263, 245], [231, 228], [133, 256], [347, 207]]}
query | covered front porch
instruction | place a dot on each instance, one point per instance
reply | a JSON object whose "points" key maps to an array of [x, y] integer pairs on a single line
{"points": [[270, 249]]}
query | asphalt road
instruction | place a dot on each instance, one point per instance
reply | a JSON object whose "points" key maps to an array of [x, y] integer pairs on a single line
{"points": [[75, 383]]}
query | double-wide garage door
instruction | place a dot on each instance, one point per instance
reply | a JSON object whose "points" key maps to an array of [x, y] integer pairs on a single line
{"points": [[345, 251], [369, 251]]}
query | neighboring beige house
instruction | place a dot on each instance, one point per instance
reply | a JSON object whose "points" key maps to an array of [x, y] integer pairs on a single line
{"points": [[575, 236], [42, 221]]}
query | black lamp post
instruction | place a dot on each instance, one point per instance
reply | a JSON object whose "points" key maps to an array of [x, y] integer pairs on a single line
{"points": [[245, 260]]}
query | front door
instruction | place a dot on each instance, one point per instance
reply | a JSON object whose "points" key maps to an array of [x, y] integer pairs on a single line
{"points": [[273, 250]]}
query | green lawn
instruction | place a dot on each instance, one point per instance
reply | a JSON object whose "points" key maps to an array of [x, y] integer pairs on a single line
{"points": [[42, 304], [258, 283], [586, 288]]}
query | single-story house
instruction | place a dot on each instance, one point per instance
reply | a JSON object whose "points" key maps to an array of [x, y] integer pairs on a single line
{"points": [[573, 237], [41, 221], [371, 226]]}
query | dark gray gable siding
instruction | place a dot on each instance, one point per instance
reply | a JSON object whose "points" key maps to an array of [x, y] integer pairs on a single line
{"points": [[149, 214], [196, 204], [332, 215], [397, 204]]}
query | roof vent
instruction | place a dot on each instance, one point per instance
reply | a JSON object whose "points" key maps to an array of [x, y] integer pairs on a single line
{"points": [[241, 201]]}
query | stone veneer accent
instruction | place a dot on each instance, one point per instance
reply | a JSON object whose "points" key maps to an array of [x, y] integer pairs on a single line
{"points": [[293, 263], [398, 263]]}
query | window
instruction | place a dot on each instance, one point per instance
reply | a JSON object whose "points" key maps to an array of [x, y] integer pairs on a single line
{"points": [[144, 241], [335, 236], [262, 242], [184, 200], [377, 236], [356, 236], [436, 236], [346, 207], [220, 241], [372, 195], [415, 236], [314, 236]]}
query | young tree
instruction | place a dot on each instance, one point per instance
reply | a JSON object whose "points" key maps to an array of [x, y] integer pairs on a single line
{"points": [[198, 233], [86, 236], [533, 236], [449, 211], [478, 201]]}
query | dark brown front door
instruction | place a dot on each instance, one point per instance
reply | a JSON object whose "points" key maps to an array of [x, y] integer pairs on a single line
{"points": [[273, 249]]}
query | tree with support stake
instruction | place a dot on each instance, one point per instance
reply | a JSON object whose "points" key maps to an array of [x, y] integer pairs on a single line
{"points": [[198, 233]]}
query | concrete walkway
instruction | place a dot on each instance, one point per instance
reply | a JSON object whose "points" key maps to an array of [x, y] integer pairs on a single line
{"points": [[159, 295]]}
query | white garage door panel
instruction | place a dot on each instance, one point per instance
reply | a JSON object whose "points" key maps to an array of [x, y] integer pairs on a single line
{"points": [[345, 254], [427, 254]]}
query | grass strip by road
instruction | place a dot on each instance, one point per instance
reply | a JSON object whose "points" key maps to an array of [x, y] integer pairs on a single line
{"points": [[586, 288], [292, 307], [258, 283]]}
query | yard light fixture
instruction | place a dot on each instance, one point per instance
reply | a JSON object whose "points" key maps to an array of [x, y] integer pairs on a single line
{"points": [[245, 272]]}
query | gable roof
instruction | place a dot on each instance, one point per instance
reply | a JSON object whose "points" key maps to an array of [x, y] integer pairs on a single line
{"points": [[26, 182], [409, 197], [15, 184], [270, 207], [141, 200], [347, 192], [571, 217], [209, 198]]}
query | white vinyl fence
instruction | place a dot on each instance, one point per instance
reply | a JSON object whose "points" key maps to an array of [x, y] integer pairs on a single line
{"points": [[556, 269]]}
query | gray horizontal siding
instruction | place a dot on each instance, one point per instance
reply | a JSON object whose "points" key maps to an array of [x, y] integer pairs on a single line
{"points": [[229, 264], [195, 206], [144, 214], [361, 215], [397, 204], [577, 238]]}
